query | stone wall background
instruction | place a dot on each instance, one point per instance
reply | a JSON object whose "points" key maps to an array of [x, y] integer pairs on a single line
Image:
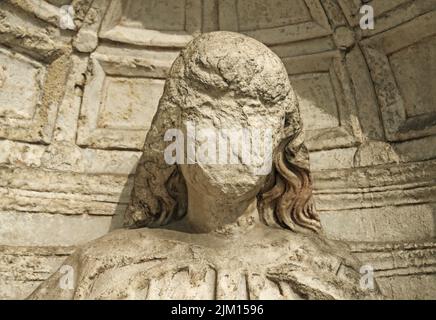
{"points": [[75, 106]]}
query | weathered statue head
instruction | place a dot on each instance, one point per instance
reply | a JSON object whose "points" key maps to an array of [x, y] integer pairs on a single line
{"points": [[227, 104]]}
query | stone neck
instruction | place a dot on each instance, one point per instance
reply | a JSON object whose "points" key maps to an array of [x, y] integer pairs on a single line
{"points": [[207, 214]]}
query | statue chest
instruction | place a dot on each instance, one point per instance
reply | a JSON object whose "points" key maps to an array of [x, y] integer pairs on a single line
{"points": [[191, 281]]}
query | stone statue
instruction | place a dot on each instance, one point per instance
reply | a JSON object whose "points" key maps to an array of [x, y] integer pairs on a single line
{"points": [[218, 229]]}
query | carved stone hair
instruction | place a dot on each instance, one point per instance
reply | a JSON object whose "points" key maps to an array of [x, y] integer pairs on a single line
{"points": [[216, 63]]}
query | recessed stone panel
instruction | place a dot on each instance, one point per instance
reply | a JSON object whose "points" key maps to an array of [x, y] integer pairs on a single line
{"points": [[164, 23], [29, 96], [414, 69], [274, 21], [403, 72], [322, 86], [260, 14], [129, 103], [164, 15], [317, 101], [117, 107], [20, 85]]}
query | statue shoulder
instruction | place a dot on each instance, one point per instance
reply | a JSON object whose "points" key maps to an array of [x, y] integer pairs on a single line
{"points": [[133, 242], [116, 250]]}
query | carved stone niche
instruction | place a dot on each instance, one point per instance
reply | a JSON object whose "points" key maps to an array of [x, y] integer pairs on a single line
{"points": [[24, 115], [274, 21], [327, 104], [402, 67], [119, 101], [163, 23]]}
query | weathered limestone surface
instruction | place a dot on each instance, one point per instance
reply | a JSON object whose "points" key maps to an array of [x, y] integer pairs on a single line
{"points": [[366, 99], [23, 268], [221, 230]]}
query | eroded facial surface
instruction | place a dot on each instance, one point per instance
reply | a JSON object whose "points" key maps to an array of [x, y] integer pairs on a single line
{"points": [[234, 144]]}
